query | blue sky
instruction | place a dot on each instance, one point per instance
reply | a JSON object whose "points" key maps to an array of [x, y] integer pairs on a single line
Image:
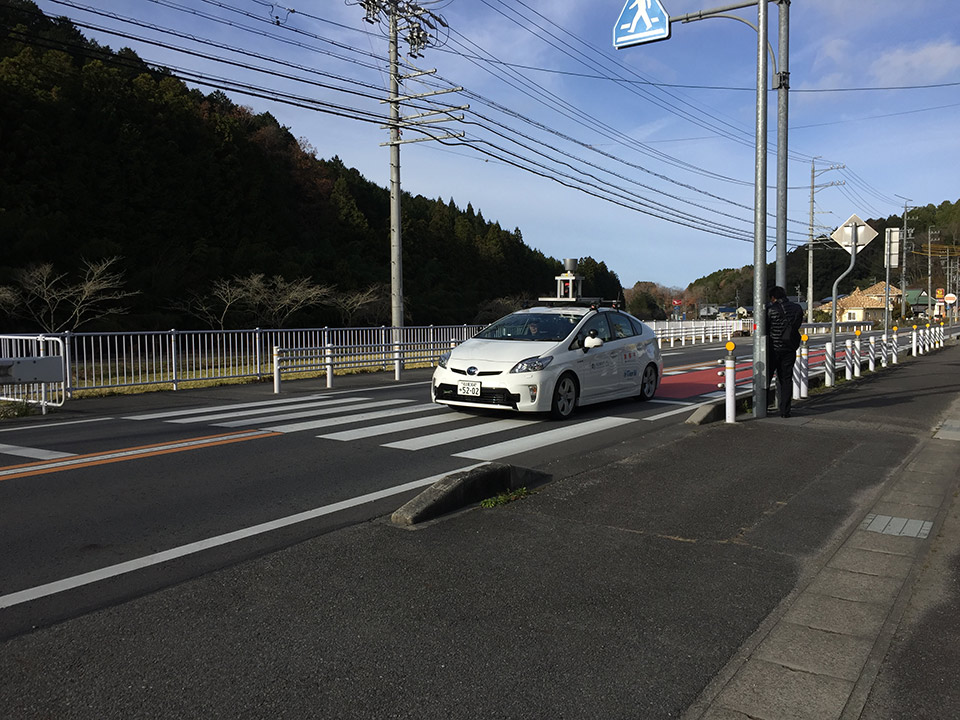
{"points": [[663, 133]]}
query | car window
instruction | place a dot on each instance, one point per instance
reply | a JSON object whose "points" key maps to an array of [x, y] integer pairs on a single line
{"points": [[529, 326], [637, 325], [620, 325], [597, 322]]}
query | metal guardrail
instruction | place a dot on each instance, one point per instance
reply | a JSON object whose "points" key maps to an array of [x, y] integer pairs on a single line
{"points": [[32, 383], [113, 361]]}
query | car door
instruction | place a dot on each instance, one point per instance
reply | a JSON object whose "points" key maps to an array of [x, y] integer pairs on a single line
{"points": [[597, 367], [629, 362]]}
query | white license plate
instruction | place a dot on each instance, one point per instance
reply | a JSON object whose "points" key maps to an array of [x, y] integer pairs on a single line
{"points": [[471, 388]]}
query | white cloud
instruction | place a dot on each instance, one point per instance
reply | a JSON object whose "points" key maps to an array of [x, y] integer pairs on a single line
{"points": [[929, 63]]}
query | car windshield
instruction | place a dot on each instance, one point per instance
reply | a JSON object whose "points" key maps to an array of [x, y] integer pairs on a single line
{"points": [[551, 327]]}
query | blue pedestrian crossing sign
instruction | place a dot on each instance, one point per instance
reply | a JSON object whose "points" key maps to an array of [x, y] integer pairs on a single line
{"points": [[641, 21]]}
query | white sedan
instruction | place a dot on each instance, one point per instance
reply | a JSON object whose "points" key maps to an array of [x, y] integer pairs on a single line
{"points": [[551, 359]]}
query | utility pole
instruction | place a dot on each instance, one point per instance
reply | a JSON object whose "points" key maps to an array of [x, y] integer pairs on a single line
{"points": [[813, 189], [932, 234], [782, 83], [420, 26], [903, 265]]}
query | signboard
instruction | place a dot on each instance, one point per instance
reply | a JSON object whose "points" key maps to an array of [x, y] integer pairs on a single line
{"points": [[950, 298], [677, 303], [843, 235], [641, 21], [940, 293], [893, 248]]}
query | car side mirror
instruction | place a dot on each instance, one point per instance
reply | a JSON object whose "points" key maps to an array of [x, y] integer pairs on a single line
{"points": [[592, 342]]}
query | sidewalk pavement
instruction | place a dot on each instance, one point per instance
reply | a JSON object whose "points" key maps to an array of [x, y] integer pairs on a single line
{"points": [[773, 569]]}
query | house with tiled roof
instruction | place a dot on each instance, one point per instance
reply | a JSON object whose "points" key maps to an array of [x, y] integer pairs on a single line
{"points": [[864, 305]]}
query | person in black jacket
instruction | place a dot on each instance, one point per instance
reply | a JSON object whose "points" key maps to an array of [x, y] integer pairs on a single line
{"points": [[784, 319]]}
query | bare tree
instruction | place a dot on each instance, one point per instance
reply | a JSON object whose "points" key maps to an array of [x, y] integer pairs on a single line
{"points": [[357, 305], [213, 308], [55, 304], [274, 300]]}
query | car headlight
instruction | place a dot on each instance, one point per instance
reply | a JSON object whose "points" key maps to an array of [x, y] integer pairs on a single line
{"points": [[532, 364], [444, 359]]}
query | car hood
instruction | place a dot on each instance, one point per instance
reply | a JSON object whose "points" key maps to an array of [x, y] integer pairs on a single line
{"points": [[499, 351]]}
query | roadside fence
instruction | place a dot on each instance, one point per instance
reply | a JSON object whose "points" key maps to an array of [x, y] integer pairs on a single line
{"points": [[105, 362], [876, 352]]}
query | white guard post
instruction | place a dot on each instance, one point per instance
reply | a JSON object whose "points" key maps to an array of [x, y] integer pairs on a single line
{"points": [[914, 341], [829, 365], [883, 350], [276, 369], [872, 354], [804, 367], [848, 359], [857, 356], [895, 348], [730, 383]]}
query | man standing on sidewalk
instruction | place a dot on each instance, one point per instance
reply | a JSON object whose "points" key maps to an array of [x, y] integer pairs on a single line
{"points": [[784, 319]]}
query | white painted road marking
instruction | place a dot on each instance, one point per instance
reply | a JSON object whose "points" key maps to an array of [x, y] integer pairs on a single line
{"points": [[33, 453], [359, 417], [123, 568], [389, 428], [551, 437], [443, 438], [312, 412]]}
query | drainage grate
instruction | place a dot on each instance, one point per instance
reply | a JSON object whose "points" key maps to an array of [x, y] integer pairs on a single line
{"points": [[902, 527]]}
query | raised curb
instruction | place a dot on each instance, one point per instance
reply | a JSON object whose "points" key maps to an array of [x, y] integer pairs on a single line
{"points": [[460, 489]]}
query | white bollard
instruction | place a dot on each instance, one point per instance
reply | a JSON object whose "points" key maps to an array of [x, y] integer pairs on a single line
{"points": [[895, 347], [872, 354], [857, 356], [276, 369], [848, 360], [796, 374], [914, 341], [883, 350], [829, 366], [328, 353], [730, 384], [804, 369]]}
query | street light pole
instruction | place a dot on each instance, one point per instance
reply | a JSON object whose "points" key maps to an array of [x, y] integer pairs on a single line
{"points": [[760, 370]]}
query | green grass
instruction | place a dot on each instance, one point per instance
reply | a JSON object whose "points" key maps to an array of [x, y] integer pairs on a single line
{"points": [[504, 498]]}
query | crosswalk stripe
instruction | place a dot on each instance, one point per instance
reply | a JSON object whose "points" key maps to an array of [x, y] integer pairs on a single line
{"points": [[264, 411], [394, 427], [313, 412], [443, 438], [32, 453], [217, 408], [359, 417], [551, 437]]}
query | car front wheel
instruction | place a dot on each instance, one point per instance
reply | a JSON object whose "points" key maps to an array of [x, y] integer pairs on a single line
{"points": [[648, 382], [564, 397]]}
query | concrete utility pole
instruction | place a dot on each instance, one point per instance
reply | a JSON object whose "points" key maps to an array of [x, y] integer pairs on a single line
{"points": [[903, 265], [414, 20], [813, 189], [782, 83], [932, 235]]}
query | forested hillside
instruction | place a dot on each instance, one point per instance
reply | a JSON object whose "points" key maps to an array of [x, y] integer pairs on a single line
{"points": [[936, 232], [197, 197]]}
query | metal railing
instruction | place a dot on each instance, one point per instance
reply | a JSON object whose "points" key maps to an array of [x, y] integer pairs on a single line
{"points": [[112, 361], [43, 394]]}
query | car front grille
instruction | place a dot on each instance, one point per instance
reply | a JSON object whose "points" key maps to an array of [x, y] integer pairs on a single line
{"points": [[488, 396], [482, 373]]}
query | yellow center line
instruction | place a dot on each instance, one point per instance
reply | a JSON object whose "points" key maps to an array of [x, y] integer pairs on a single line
{"points": [[132, 453]]}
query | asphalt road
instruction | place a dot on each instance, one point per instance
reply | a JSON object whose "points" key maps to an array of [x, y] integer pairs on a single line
{"points": [[112, 498]]}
